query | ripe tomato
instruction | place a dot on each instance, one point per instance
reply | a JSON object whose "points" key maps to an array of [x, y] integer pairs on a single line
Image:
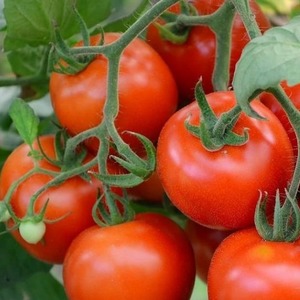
{"points": [[73, 200], [147, 258], [147, 93], [196, 57], [246, 265], [220, 189], [150, 190], [269, 100], [204, 242]]}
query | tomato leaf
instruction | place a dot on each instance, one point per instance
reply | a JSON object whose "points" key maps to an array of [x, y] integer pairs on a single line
{"points": [[38, 286], [30, 22], [27, 61], [25, 120], [2, 19], [267, 60], [123, 13]]}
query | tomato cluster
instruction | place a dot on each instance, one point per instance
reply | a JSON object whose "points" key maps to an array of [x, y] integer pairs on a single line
{"points": [[215, 191]]}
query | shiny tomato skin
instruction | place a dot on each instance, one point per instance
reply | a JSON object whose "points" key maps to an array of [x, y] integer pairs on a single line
{"points": [[270, 101], [147, 258], [72, 201], [150, 190], [204, 241], [220, 189], [148, 93], [246, 265], [195, 58]]}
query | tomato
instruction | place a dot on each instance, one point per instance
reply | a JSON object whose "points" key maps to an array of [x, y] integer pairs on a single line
{"points": [[72, 201], [220, 189], [148, 93], [195, 58], [270, 101], [32, 231], [149, 190], [147, 258], [246, 265], [205, 242]]}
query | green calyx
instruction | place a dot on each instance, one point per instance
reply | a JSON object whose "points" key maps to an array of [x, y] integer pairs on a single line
{"points": [[173, 30], [286, 219], [112, 209], [215, 132], [62, 60]]}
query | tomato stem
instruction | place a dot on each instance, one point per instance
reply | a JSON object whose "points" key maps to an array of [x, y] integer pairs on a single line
{"points": [[222, 31], [248, 18], [215, 132], [293, 114]]}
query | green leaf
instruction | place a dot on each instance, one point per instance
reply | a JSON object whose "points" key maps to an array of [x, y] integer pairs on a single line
{"points": [[123, 13], [25, 120], [27, 61], [36, 287], [2, 19], [15, 263], [30, 22], [267, 60]]}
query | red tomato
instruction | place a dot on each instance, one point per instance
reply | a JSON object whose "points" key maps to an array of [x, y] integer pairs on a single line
{"points": [[270, 101], [252, 268], [147, 258], [196, 57], [147, 93], [204, 241], [220, 189], [149, 190], [73, 200]]}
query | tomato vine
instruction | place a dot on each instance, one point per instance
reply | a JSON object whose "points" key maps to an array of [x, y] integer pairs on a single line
{"points": [[71, 158]]}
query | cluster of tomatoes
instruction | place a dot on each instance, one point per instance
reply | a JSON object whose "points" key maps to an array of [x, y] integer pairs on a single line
{"points": [[152, 257]]}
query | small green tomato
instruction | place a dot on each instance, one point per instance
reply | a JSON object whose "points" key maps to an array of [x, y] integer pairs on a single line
{"points": [[32, 232]]}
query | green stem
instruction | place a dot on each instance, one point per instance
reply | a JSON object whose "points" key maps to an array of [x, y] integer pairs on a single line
{"points": [[23, 81], [59, 178], [73, 142], [222, 31], [132, 32], [294, 116], [13, 187], [248, 18]]}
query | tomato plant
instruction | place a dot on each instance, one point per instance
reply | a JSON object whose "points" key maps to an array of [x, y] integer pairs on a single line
{"points": [[147, 258], [270, 101], [118, 92], [69, 205], [146, 88], [205, 242], [246, 265], [195, 58], [220, 189]]}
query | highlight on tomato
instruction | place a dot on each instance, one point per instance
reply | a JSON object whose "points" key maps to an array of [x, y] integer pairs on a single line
{"points": [[147, 92], [147, 258], [247, 265], [195, 58], [69, 204], [220, 189]]}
